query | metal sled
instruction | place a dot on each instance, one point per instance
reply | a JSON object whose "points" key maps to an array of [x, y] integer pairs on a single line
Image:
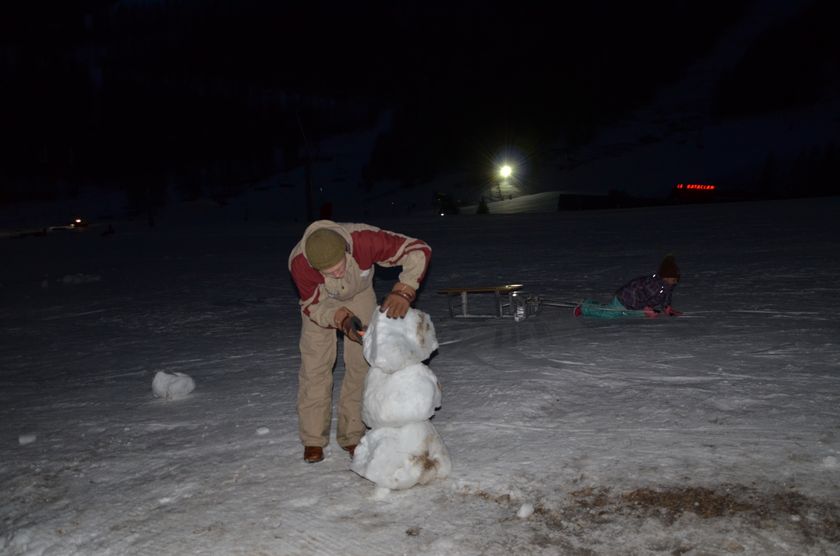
{"points": [[508, 301], [459, 300]]}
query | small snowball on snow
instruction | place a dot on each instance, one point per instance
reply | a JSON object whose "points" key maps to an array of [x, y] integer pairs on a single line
{"points": [[381, 493], [830, 462], [262, 431], [25, 439], [525, 511], [172, 386]]}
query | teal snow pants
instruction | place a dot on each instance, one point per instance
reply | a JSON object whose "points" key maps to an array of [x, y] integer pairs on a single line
{"points": [[612, 310]]}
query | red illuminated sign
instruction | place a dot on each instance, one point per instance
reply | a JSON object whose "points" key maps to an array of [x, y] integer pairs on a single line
{"points": [[696, 186]]}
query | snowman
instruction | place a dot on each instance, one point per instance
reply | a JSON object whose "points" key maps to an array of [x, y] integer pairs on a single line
{"points": [[402, 447]]}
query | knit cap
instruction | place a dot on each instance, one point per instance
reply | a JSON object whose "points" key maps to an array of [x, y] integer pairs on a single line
{"points": [[324, 248], [668, 267]]}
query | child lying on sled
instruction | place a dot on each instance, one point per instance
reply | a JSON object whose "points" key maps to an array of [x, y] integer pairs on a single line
{"points": [[645, 296]]}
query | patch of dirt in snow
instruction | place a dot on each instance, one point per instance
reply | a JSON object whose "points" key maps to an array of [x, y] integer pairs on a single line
{"points": [[809, 521]]}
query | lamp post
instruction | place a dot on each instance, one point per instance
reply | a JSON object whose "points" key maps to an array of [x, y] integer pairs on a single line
{"points": [[505, 172]]}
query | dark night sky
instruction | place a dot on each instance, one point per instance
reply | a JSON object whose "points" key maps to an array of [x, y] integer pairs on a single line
{"points": [[121, 92]]}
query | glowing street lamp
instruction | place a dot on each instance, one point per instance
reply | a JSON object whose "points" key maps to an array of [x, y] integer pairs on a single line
{"points": [[505, 173]]}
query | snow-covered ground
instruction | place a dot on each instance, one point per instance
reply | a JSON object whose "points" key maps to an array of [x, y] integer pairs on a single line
{"points": [[713, 433]]}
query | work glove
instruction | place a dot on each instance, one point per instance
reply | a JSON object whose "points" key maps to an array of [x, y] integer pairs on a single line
{"points": [[398, 302], [671, 312], [350, 324], [650, 312]]}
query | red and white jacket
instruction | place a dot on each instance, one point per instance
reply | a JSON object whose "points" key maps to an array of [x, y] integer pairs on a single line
{"points": [[321, 296]]}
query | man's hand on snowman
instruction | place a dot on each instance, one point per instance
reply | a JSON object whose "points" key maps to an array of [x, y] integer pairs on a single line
{"points": [[398, 302]]}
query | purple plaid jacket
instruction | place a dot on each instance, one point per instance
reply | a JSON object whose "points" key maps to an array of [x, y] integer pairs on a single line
{"points": [[645, 291]]}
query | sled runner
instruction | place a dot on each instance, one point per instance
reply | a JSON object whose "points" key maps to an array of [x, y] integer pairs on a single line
{"points": [[503, 300]]}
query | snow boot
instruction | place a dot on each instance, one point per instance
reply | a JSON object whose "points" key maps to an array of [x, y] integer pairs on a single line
{"points": [[313, 454]]}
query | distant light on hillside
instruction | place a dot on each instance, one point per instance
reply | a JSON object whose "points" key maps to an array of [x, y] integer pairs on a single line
{"points": [[695, 192], [696, 186], [506, 171]]}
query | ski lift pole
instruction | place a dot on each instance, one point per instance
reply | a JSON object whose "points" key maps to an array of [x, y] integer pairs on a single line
{"points": [[310, 204]]}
